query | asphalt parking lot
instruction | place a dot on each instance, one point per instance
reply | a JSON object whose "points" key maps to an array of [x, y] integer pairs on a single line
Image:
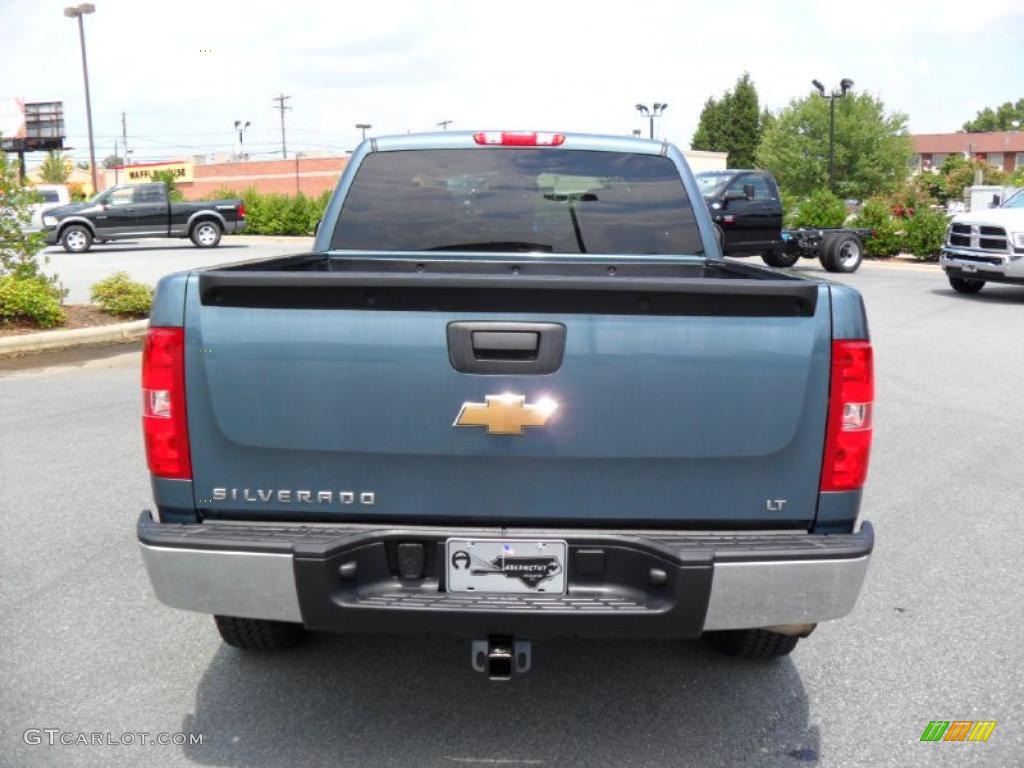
{"points": [[148, 260], [936, 635]]}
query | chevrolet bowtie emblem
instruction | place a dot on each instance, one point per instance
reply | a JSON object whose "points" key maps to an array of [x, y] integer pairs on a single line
{"points": [[505, 414]]}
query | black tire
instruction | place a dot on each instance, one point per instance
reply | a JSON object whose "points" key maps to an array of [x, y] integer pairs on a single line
{"points": [[206, 234], [966, 284], [841, 252], [76, 238], [259, 634], [754, 643], [779, 259]]}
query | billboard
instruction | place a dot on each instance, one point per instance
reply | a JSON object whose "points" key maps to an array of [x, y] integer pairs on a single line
{"points": [[31, 126], [12, 118]]}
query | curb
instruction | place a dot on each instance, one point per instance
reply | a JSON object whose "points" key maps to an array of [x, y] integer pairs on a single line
{"points": [[115, 333]]}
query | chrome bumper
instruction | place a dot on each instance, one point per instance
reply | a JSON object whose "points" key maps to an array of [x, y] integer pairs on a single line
{"points": [[715, 582], [971, 261]]}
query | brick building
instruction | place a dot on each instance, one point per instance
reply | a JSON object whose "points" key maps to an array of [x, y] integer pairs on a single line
{"points": [[1003, 149], [310, 175]]}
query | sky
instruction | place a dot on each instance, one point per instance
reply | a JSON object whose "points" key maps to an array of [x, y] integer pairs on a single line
{"points": [[184, 71]]}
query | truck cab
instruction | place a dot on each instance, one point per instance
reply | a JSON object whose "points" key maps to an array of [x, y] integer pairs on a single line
{"points": [[746, 207]]}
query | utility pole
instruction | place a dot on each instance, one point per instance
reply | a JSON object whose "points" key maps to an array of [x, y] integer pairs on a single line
{"points": [[124, 136], [281, 106], [115, 163]]}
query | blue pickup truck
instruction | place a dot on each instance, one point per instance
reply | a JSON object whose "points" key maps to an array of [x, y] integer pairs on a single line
{"points": [[513, 392]]}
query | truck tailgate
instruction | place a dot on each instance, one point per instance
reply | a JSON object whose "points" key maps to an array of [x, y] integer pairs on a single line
{"points": [[705, 413]]}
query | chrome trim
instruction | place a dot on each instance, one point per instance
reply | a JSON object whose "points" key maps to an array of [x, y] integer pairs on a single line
{"points": [[763, 594], [251, 585]]}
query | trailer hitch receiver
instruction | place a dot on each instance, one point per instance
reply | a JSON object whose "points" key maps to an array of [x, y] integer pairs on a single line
{"points": [[500, 656]]}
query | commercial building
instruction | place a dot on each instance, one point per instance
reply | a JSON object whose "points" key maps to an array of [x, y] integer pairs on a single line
{"points": [[309, 175]]}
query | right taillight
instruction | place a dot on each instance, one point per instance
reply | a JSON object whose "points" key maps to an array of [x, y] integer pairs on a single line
{"points": [[164, 420], [850, 405]]}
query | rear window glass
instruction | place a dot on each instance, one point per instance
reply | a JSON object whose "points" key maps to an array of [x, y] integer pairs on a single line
{"points": [[547, 200]]}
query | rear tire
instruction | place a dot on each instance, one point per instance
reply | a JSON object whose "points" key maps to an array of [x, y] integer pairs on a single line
{"points": [[76, 238], [206, 234], [780, 260], [259, 634], [841, 253], [966, 285], [754, 643]]}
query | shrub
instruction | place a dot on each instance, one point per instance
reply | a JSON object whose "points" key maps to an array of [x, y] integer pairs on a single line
{"points": [[120, 295], [821, 209], [281, 214], [31, 298], [888, 238], [926, 230]]}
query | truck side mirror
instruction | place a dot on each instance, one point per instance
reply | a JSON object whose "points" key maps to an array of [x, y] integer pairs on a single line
{"points": [[995, 201]]}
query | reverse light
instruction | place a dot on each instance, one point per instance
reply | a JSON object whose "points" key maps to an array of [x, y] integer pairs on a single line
{"points": [[519, 138], [164, 420], [850, 405]]}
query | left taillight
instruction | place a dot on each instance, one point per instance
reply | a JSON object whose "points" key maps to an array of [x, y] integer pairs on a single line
{"points": [[164, 419], [850, 412], [241, 210]]}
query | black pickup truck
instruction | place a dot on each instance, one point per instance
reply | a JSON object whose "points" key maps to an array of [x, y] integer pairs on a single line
{"points": [[141, 210], [747, 211]]}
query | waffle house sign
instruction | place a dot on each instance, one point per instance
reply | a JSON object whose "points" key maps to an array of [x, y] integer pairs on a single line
{"points": [[140, 174]]}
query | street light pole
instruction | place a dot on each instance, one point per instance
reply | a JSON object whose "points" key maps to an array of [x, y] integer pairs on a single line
{"points": [[650, 114], [241, 144], [443, 125], [364, 127], [78, 12], [844, 85]]}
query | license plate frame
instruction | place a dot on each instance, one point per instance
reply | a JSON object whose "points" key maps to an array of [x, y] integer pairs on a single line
{"points": [[506, 566]]}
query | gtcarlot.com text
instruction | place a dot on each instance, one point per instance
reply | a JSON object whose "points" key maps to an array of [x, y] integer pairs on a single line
{"points": [[54, 736]]}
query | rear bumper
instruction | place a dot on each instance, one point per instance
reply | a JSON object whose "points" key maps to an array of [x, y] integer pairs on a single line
{"points": [[235, 227], [344, 578]]}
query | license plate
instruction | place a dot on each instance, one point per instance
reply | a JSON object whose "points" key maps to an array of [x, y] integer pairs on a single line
{"points": [[968, 267], [506, 565]]}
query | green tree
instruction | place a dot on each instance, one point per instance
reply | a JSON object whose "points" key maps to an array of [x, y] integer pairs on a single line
{"points": [[167, 177], [112, 160], [732, 124], [872, 147], [55, 169], [17, 249], [1002, 118]]}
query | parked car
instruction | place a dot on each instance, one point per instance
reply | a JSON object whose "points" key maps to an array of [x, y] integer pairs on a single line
{"points": [[514, 391], [141, 210], [53, 196], [747, 209], [986, 245]]}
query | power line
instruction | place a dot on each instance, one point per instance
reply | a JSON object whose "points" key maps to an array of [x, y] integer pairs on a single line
{"points": [[280, 105]]}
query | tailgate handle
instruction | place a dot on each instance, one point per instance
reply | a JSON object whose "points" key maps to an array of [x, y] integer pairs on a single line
{"points": [[510, 345], [488, 347]]}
